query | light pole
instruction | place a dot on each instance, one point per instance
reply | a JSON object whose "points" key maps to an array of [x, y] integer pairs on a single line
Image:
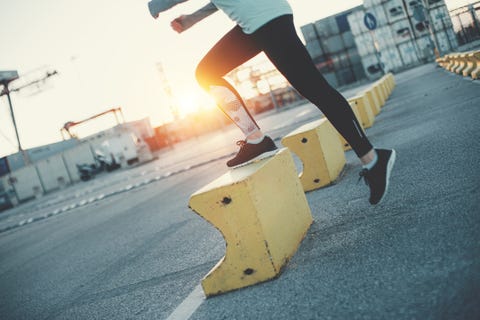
{"points": [[5, 78]]}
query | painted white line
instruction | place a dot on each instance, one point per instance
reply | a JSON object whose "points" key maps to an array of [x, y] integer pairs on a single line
{"points": [[189, 305], [303, 113]]}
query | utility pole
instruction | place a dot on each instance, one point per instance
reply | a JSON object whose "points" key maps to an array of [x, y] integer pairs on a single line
{"points": [[6, 77]]}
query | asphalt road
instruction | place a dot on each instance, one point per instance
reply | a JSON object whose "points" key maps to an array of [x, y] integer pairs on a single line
{"points": [[137, 254]]}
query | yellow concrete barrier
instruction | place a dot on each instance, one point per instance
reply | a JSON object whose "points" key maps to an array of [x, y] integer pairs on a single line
{"points": [[450, 61], [383, 86], [471, 64], [475, 74], [373, 101], [384, 81], [456, 62], [319, 147], [390, 78], [442, 61], [262, 212], [462, 63], [379, 93], [361, 103]]}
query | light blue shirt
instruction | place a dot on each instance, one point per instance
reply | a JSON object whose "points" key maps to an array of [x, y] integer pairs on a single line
{"points": [[248, 14], [252, 14]]}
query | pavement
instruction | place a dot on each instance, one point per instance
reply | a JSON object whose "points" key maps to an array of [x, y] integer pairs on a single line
{"points": [[126, 246]]}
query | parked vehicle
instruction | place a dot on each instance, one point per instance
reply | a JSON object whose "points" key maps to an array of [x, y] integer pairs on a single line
{"points": [[103, 163]]}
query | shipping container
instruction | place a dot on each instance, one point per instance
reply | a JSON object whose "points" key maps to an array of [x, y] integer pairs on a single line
{"points": [[327, 27], [340, 60], [420, 29], [440, 18], [401, 31], [372, 66], [26, 183], [314, 48], [354, 56], [355, 20], [446, 41], [413, 5], [372, 3], [365, 44], [426, 48], [358, 71], [435, 3], [81, 154], [309, 32], [380, 15], [15, 161], [331, 79], [391, 59], [384, 37], [53, 173], [348, 40], [395, 11], [4, 168], [333, 44], [342, 21], [409, 54], [345, 76]]}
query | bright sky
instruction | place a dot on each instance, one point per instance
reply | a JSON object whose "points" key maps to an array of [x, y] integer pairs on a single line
{"points": [[106, 54]]}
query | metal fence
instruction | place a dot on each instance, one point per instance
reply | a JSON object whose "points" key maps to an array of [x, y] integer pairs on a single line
{"points": [[466, 23]]}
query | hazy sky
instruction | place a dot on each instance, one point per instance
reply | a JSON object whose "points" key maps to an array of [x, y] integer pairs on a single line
{"points": [[106, 54]]}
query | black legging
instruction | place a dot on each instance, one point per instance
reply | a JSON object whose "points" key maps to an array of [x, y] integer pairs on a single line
{"points": [[280, 42]]}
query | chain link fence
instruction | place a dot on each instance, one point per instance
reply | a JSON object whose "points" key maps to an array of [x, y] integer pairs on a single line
{"points": [[466, 23]]}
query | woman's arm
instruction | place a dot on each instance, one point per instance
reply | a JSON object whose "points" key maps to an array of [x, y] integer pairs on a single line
{"points": [[157, 6], [184, 22]]}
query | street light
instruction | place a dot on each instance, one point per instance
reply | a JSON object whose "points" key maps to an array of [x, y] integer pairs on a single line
{"points": [[5, 78]]}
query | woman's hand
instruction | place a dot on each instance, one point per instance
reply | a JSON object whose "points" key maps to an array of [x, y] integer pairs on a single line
{"points": [[181, 23]]}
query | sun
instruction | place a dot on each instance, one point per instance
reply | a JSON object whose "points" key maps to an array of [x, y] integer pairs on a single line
{"points": [[188, 103], [194, 101]]}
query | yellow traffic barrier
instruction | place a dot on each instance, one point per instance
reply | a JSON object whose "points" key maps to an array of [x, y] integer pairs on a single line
{"points": [[262, 212], [390, 80], [379, 93], [365, 112], [441, 61], [475, 74], [456, 62], [319, 147], [462, 63], [451, 56], [471, 64], [373, 101], [383, 86], [386, 85], [450, 61]]}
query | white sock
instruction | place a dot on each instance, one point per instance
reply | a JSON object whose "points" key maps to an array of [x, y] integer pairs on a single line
{"points": [[256, 141], [372, 163]]}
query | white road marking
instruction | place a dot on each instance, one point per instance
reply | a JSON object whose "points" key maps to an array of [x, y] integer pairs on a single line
{"points": [[189, 305]]}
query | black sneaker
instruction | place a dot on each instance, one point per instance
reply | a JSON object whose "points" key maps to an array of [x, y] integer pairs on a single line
{"points": [[250, 152], [378, 177]]}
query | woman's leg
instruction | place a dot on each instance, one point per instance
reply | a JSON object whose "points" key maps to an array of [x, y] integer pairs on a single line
{"points": [[279, 40], [234, 49]]}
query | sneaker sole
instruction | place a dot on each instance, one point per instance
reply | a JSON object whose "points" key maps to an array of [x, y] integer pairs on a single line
{"points": [[390, 164], [262, 156]]}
